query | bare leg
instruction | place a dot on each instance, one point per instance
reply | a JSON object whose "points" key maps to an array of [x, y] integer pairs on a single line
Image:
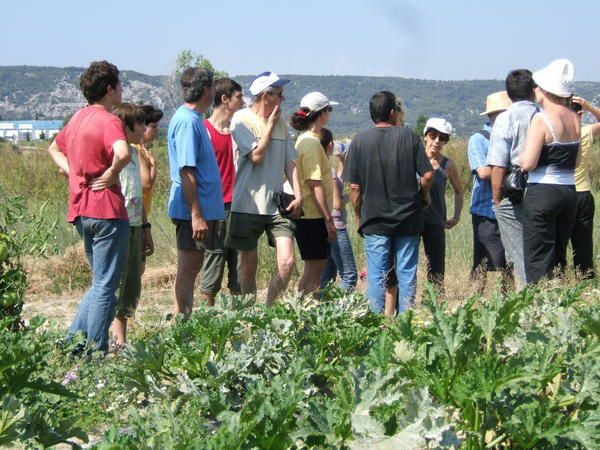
{"points": [[285, 263], [119, 330], [391, 300], [210, 298], [189, 263], [248, 266], [311, 277]]}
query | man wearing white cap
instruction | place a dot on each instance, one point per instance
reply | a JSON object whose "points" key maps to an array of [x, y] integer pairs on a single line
{"points": [[488, 251], [507, 141], [264, 153]]}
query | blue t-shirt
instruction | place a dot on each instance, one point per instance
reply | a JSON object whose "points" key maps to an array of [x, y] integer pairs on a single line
{"points": [[190, 146], [481, 195]]}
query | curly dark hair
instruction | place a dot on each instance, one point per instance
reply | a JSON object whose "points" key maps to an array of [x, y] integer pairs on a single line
{"points": [[194, 81], [153, 115], [96, 79]]}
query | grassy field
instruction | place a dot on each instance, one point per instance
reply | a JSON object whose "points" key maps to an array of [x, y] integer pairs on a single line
{"points": [[32, 175], [519, 371]]}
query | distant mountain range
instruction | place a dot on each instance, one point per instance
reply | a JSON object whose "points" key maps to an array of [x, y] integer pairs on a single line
{"points": [[27, 92]]}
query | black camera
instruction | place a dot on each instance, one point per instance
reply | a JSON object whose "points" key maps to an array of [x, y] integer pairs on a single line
{"points": [[576, 107]]}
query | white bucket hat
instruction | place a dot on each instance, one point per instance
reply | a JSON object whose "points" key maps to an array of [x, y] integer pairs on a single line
{"points": [[496, 102], [315, 101], [441, 125], [556, 78]]}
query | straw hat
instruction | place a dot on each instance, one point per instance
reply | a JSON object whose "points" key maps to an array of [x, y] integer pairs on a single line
{"points": [[496, 102], [556, 78]]}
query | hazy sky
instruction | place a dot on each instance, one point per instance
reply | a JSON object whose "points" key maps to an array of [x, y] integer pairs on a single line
{"points": [[432, 39]]}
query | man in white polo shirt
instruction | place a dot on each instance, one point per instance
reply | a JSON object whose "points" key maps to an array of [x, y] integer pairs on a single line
{"points": [[265, 153]]}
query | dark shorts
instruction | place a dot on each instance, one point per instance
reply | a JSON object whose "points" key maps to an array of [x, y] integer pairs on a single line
{"points": [[244, 230], [311, 235], [183, 231], [488, 251]]}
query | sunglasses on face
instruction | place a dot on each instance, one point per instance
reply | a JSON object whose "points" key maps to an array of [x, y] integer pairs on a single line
{"points": [[433, 135], [276, 94]]}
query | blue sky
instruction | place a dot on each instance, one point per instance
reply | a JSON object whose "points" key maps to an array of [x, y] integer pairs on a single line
{"points": [[431, 39]]}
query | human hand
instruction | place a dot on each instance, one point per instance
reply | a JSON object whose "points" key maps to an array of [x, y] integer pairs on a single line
{"points": [[107, 179], [426, 199], [148, 247], [199, 228], [451, 223], [331, 232], [294, 209], [274, 117], [585, 105]]}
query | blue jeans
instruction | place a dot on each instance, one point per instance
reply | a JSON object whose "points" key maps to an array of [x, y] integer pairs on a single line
{"points": [[342, 261], [106, 242], [382, 253]]}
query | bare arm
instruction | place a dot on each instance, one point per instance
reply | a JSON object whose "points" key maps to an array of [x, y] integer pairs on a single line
{"points": [[318, 193], [452, 172], [59, 158], [592, 109], [188, 186], [426, 182], [497, 178], [484, 172], [258, 153], [536, 136], [147, 169], [356, 199], [291, 174]]}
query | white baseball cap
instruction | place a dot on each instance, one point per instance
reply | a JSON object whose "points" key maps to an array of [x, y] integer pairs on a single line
{"points": [[266, 80], [441, 125], [315, 101], [556, 78]]}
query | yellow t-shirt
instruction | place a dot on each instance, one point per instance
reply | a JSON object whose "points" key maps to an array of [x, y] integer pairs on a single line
{"points": [[313, 164], [582, 174]]}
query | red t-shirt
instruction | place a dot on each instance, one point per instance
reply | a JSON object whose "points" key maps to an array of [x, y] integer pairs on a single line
{"points": [[223, 147], [87, 142]]}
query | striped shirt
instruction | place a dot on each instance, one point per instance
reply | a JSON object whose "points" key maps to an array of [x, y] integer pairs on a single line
{"points": [[481, 195]]}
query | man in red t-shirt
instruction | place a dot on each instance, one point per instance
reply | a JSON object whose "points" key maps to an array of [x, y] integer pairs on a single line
{"points": [[228, 99], [92, 150]]}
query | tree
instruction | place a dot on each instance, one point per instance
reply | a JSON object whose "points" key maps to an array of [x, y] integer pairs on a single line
{"points": [[421, 121], [185, 60], [42, 136]]}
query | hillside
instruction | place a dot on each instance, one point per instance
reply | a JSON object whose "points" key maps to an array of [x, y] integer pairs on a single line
{"points": [[53, 93]]}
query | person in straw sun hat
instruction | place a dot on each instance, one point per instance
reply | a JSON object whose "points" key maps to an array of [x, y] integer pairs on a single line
{"points": [[550, 156], [488, 251]]}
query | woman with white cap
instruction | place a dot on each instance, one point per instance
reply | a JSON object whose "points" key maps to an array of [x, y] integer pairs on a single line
{"points": [[437, 133], [550, 156], [315, 230]]}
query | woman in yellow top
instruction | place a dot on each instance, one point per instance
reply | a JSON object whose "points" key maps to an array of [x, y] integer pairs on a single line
{"points": [[315, 230], [582, 239]]}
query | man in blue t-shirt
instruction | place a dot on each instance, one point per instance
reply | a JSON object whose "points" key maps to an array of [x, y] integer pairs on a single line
{"points": [[488, 251], [196, 199]]}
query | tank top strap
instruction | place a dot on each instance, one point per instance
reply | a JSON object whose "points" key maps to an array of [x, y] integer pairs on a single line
{"points": [[444, 163], [543, 116]]}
